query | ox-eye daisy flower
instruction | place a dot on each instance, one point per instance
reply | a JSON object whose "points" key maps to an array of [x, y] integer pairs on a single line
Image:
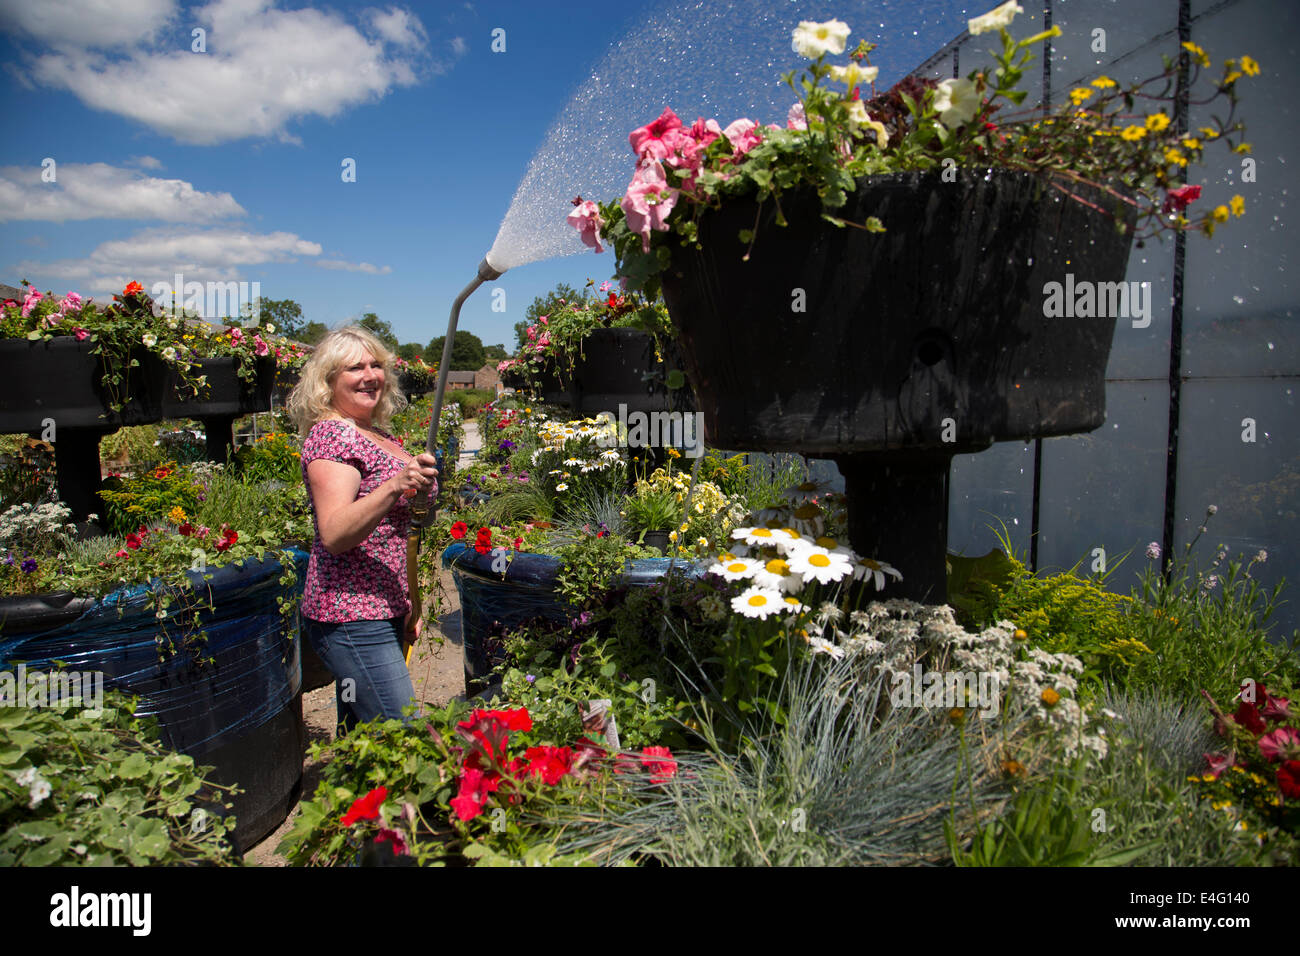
{"points": [[817, 564], [866, 568], [758, 602], [737, 569]]}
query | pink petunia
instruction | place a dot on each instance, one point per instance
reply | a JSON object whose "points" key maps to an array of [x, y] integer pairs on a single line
{"points": [[260, 347], [796, 118], [744, 135], [648, 202], [71, 302], [1217, 763], [586, 219], [29, 301], [80, 333], [1280, 744], [660, 139]]}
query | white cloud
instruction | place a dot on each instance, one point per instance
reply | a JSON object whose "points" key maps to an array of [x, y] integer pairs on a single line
{"points": [[263, 69], [158, 254], [145, 162], [101, 191], [344, 266], [459, 46], [87, 24], [398, 27]]}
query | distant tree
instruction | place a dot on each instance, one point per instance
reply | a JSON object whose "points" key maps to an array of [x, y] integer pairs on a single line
{"points": [[543, 305], [382, 330], [409, 351], [494, 352], [284, 314], [313, 332], [467, 352]]}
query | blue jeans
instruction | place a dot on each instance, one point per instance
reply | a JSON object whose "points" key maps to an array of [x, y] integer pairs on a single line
{"points": [[370, 675]]}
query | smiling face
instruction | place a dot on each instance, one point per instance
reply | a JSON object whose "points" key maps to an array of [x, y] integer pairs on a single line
{"points": [[358, 387]]}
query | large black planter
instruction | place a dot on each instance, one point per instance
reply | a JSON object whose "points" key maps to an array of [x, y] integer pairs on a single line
{"points": [[233, 703], [524, 593], [913, 345], [618, 367], [226, 398], [55, 389]]}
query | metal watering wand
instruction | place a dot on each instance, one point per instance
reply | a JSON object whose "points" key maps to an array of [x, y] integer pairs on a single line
{"points": [[421, 505]]}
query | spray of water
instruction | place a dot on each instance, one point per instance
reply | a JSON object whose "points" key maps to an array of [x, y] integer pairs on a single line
{"points": [[720, 60]]}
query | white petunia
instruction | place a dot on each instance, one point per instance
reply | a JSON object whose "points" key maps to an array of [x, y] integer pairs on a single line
{"points": [[956, 102], [810, 39], [995, 19], [854, 75], [758, 602]]}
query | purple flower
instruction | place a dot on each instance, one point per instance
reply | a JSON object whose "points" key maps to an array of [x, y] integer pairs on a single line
{"points": [[506, 445], [530, 677], [1153, 551], [28, 566], [9, 559]]}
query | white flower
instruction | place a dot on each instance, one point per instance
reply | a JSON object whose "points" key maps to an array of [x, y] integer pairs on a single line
{"points": [[270, 329], [561, 487], [756, 536], [808, 490], [776, 574], [796, 118], [820, 645], [854, 74], [995, 19], [26, 778], [169, 353], [737, 569], [758, 602], [149, 340], [811, 39], [817, 564], [793, 605], [40, 789], [956, 102], [869, 568]]}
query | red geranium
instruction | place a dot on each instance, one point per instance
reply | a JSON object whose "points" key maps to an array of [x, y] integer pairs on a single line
{"points": [[519, 544], [133, 541], [228, 537], [459, 530], [483, 541], [659, 761], [133, 288], [393, 837], [1288, 779], [367, 807], [552, 764], [1247, 716], [475, 785], [186, 529]]}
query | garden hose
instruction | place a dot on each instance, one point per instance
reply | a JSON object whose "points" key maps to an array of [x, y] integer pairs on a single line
{"points": [[422, 503]]}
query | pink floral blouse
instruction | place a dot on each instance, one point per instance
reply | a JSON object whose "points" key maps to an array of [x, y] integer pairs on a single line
{"points": [[368, 582]]}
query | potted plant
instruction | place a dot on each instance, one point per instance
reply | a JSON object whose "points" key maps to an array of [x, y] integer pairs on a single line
{"points": [[871, 283]]}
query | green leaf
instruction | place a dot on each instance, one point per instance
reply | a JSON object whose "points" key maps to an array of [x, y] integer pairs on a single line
{"points": [[133, 767], [608, 670]]}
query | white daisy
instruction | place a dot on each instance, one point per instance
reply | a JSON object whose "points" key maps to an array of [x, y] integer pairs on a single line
{"points": [[870, 568], [754, 536], [776, 574], [758, 602], [818, 564], [820, 645], [793, 605], [808, 519], [561, 487], [834, 547], [737, 569]]}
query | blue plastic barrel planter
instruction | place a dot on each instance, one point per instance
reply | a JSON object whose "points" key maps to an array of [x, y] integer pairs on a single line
{"points": [[240, 711], [526, 591]]}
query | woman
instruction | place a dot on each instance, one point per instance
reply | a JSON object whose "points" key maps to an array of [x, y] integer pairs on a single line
{"points": [[359, 480]]}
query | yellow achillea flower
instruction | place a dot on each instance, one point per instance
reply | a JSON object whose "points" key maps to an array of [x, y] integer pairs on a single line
{"points": [[1220, 214], [1238, 205], [1249, 66], [1080, 94], [177, 515], [1199, 55], [1157, 122], [1174, 156], [1192, 142], [1103, 82], [1132, 133]]}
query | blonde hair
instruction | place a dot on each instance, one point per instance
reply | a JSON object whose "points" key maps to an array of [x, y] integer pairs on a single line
{"points": [[312, 399]]}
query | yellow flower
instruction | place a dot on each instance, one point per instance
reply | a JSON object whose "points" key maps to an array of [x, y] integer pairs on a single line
{"points": [[1232, 77], [1157, 122], [177, 515], [1132, 133], [1241, 148], [1249, 66], [1103, 82], [1050, 697], [1174, 156], [1199, 55], [1020, 635], [1080, 94], [1220, 214], [1192, 143], [1208, 132], [1238, 206]]}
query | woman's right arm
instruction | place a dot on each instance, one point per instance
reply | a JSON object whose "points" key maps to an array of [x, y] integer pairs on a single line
{"points": [[343, 519]]}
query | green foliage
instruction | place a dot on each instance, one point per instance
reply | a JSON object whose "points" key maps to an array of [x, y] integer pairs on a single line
{"points": [[470, 400], [540, 306], [382, 330], [651, 509], [588, 568], [313, 332], [135, 500], [133, 445], [80, 788], [467, 352], [284, 314], [272, 457]]}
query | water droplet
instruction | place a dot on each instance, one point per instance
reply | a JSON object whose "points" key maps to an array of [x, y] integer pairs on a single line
{"points": [[1239, 300]]}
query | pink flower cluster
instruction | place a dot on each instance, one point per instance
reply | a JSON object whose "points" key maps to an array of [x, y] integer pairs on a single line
{"points": [[659, 146]]}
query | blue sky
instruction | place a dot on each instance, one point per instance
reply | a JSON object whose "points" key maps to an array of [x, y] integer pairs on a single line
{"points": [[227, 164]]}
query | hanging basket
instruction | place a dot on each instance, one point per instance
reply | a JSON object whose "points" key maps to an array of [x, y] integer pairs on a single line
{"points": [[930, 335]]}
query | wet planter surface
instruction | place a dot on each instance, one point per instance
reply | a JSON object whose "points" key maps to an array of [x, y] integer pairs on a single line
{"points": [[915, 344], [232, 701], [526, 591], [619, 367]]}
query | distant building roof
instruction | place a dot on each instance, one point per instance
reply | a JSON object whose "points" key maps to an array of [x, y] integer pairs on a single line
{"points": [[460, 378]]}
